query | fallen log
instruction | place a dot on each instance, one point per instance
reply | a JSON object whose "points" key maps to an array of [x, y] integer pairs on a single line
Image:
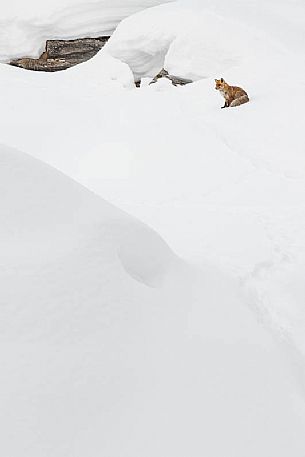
{"points": [[63, 54]]}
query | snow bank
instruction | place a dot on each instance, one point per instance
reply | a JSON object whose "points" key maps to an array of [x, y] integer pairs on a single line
{"points": [[46, 217], [96, 363], [25, 26], [190, 39]]}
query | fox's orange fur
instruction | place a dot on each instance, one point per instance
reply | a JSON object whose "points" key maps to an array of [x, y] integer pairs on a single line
{"points": [[233, 95]]}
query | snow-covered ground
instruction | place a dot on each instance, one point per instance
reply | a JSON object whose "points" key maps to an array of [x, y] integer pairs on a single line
{"points": [[178, 344]]}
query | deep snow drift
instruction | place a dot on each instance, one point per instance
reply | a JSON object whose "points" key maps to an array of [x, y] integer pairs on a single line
{"points": [[95, 362], [197, 39], [26, 25]]}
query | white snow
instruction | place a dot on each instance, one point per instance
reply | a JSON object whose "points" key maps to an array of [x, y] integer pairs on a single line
{"points": [[26, 25], [96, 362], [122, 347]]}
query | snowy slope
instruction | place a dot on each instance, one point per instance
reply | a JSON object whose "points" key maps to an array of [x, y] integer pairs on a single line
{"points": [[26, 25], [95, 362]]}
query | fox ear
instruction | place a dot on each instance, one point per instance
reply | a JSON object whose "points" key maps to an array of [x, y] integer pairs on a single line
{"points": [[222, 80]]}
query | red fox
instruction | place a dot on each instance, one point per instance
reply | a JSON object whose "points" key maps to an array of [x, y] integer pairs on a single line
{"points": [[234, 96]]}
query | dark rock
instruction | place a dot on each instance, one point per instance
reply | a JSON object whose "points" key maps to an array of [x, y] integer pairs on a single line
{"points": [[63, 54], [65, 48], [176, 80]]}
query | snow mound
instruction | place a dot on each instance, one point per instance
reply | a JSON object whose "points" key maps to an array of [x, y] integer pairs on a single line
{"points": [[96, 363], [25, 26], [188, 38], [45, 216]]}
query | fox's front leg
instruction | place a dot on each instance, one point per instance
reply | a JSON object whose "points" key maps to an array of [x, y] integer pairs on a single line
{"points": [[226, 105]]}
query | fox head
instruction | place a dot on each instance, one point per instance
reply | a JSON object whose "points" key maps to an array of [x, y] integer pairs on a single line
{"points": [[220, 84]]}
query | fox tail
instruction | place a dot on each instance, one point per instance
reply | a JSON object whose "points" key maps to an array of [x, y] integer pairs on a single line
{"points": [[240, 101]]}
